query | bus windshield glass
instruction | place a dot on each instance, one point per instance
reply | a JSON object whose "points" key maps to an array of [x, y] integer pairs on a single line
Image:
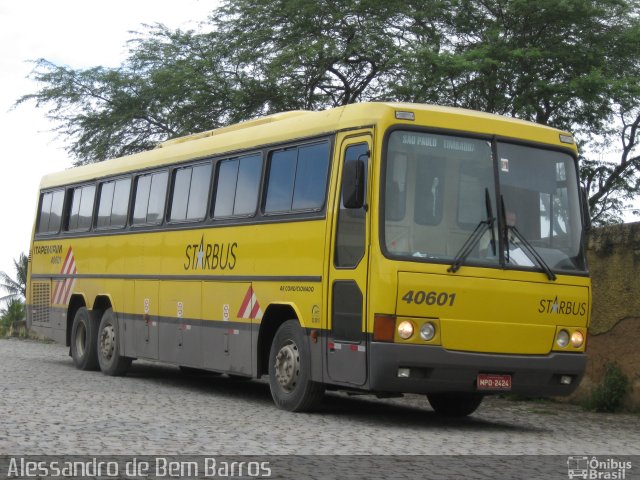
{"points": [[539, 191], [440, 192]]}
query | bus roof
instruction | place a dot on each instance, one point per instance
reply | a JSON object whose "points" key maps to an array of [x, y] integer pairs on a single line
{"points": [[300, 124]]}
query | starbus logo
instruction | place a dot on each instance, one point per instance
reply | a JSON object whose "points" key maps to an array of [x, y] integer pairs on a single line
{"points": [[562, 307], [210, 256]]}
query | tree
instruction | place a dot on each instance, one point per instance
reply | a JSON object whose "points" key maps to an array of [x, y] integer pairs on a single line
{"points": [[17, 288], [614, 185], [574, 65], [319, 54], [300, 54], [11, 313], [172, 84], [571, 64]]}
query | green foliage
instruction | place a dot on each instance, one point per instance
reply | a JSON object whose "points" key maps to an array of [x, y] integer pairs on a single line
{"points": [[12, 312], [319, 54], [571, 64], [15, 288], [546, 61], [610, 394]]}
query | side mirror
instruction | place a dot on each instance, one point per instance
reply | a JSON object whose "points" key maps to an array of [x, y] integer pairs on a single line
{"points": [[353, 184], [586, 215]]}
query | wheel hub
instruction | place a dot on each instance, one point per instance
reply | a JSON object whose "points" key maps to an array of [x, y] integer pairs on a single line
{"points": [[107, 342], [287, 367]]}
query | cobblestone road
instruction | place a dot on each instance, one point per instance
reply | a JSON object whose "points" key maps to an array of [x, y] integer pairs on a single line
{"points": [[49, 407]]}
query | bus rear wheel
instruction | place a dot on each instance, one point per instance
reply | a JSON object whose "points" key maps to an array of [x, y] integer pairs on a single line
{"points": [[455, 404], [290, 371], [109, 357], [84, 339]]}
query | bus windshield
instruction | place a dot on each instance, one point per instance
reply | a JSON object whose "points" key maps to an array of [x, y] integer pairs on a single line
{"points": [[440, 189]]}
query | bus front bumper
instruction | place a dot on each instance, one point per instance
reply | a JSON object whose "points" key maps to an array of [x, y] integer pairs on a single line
{"points": [[428, 369]]}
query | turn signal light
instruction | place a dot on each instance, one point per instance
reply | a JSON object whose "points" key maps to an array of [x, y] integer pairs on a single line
{"points": [[384, 328], [577, 339]]}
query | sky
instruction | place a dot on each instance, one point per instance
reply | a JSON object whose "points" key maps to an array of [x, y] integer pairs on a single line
{"points": [[76, 33]]}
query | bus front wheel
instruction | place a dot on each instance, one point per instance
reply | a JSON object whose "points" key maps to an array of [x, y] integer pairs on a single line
{"points": [[290, 370], [111, 361], [84, 339], [455, 404]]}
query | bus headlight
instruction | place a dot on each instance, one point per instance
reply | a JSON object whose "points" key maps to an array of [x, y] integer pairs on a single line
{"points": [[577, 339], [427, 331], [563, 338], [405, 330]]}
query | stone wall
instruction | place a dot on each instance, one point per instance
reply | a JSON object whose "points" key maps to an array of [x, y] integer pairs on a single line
{"points": [[614, 334]]}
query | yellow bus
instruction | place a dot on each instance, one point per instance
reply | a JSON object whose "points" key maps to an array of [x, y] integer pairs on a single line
{"points": [[386, 248]]}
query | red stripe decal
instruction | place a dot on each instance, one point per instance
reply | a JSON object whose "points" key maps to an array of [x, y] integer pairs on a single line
{"points": [[245, 303], [56, 292], [254, 310], [63, 288], [66, 259]]}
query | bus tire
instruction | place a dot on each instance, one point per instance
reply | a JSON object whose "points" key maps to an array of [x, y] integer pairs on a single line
{"points": [[109, 358], [455, 404], [84, 341], [290, 371]]}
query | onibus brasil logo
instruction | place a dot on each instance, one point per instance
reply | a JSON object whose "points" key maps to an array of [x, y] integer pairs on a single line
{"points": [[595, 468]]}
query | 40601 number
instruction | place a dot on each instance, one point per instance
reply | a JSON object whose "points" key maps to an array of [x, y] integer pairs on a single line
{"points": [[420, 297]]}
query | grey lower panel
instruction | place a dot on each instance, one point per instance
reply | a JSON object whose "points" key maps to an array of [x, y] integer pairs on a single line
{"points": [[141, 339], [434, 369], [179, 342], [54, 329], [212, 345], [227, 347], [347, 363], [55, 334]]}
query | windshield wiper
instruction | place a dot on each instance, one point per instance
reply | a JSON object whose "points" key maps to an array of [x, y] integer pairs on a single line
{"points": [[529, 250], [476, 235]]}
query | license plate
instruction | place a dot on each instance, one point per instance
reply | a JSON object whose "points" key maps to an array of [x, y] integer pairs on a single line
{"points": [[490, 381]]}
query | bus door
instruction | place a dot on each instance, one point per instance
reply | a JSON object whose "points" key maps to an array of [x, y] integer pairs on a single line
{"points": [[346, 343]]}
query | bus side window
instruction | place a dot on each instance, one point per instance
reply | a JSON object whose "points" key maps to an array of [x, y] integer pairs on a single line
{"points": [[199, 192], [150, 198], [237, 186], [105, 203], [143, 187], [113, 203], [190, 192], [248, 185], [80, 214], [45, 213], [297, 179], [120, 205], [311, 177], [282, 170], [51, 212]]}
